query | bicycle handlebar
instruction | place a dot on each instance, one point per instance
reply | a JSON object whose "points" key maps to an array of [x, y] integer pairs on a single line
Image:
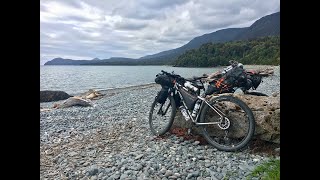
{"points": [[165, 72], [190, 79], [171, 74]]}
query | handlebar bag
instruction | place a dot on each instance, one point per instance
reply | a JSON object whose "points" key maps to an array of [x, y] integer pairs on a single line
{"points": [[164, 80]]}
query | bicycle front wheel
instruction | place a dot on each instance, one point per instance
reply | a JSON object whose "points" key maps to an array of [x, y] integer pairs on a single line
{"points": [[161, 116], [229, 123]]}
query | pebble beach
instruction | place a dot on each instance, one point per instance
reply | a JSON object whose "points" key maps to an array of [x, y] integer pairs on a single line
{"points": [[112, 140]]}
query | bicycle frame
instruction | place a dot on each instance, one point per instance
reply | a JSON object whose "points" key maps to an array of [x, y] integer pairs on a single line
{"points": [[203, 101]]}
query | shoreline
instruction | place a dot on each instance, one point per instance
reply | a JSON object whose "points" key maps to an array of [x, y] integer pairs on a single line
{"points": [[111, 90], [133, 87], [248, 67], [269, 85]]}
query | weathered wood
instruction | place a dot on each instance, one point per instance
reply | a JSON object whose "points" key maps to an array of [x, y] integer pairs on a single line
{"points": [[266, 110]]}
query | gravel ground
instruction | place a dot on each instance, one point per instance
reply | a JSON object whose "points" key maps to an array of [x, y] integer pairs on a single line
{"points": [[112, 140]]}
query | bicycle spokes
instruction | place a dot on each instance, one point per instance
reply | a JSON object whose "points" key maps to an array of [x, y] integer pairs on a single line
{"points": [[167, 108], [160, 111]]}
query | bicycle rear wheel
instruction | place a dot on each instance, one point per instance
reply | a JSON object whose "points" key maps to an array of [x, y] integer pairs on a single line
{"points": [[234, 130], [161, 116]]}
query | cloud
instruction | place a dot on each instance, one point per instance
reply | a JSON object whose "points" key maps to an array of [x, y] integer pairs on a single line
{"points": [[121, 28], [130, 24], [153, 4]]}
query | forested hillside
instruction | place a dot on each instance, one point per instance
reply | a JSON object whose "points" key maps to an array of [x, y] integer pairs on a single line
{"points": [[264, 51]]}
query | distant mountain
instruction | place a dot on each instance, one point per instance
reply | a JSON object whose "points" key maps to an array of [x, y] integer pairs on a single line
{"points": [[61, 61], [95, 61], [218, 36], [266, 26], [113, 61]]}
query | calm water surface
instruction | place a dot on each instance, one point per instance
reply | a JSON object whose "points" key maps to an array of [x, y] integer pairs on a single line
{"points": [[78, 79]]}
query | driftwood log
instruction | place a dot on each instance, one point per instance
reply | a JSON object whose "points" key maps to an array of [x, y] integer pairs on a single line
{"points": [[91, 94], [74, 101], [265, 72], [81, 100]]}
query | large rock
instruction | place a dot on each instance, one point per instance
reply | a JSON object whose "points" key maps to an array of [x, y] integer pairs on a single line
{"points": [[48, 96], [266, 111]]}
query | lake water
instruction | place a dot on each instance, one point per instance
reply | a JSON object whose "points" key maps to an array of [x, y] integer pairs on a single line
{"points": [[79, 79]]}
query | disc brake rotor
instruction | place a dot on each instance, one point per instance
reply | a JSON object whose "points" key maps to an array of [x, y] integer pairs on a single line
{"points": [[224, 123]]}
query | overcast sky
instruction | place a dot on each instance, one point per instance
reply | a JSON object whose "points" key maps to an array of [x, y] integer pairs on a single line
{"points": [[85, 29]]}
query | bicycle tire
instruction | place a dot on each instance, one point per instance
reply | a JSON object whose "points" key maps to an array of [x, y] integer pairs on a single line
{"points": [[220, 141], [167, 125]]}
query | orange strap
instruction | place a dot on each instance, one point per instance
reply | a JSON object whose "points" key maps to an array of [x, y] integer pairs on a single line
{"points": [[220, 83]]}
